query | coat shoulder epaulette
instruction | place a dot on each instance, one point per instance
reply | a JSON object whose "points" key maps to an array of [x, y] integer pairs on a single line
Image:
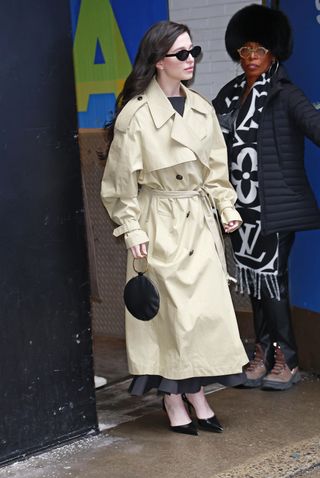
{"points": [[129, 110]]}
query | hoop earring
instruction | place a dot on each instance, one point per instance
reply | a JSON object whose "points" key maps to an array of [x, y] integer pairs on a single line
{"points": [[273, 67]]}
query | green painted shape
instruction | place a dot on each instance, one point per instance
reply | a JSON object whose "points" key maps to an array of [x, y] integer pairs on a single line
{"points": [[97, 21]]}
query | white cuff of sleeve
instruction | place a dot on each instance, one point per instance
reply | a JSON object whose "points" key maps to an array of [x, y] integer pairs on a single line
{"points": [[131, 225], [133, 238], [230, 214]]}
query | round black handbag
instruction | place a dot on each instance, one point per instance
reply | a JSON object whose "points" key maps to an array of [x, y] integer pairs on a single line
{"points": [[141, 296]]}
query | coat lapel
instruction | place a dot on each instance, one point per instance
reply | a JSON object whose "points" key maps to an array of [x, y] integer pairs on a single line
{"points": [[159, 105], [183, 134], [183, 129]]}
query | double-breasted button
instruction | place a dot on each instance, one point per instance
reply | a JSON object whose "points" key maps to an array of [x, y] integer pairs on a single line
{"points": [[191, 252], [139, 98], [178, 176]]}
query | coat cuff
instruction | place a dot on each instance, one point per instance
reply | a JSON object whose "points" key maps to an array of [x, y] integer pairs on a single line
{"points": [[126, 227], [133, 238], [230, 214]]}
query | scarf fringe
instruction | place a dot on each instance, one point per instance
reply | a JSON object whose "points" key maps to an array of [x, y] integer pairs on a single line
{"points": [[250, 281]]}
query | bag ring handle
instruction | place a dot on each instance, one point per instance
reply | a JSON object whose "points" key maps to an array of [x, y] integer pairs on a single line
{"points": [[140, 259]]}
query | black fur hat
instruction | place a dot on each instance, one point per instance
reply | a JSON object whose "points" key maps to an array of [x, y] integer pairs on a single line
{"points": [[256, 23]]}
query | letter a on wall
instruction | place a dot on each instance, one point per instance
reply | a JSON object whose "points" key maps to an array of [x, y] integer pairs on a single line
{"points": [[101, 59]]}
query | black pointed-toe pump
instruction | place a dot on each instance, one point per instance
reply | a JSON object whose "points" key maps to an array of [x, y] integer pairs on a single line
{"points": [[211, 424], [187, 429]]}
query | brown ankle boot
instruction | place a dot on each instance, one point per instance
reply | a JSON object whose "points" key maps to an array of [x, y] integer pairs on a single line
{"points": [[256, 369], [280, 377]]}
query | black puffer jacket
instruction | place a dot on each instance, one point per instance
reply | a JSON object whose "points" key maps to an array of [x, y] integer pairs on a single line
{"points": [[287, 201]]}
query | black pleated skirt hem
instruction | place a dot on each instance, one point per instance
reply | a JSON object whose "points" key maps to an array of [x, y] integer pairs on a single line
{"points": [[142, 384]]}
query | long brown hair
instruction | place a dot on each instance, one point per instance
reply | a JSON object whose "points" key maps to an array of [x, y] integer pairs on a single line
{"points": [[154, 45]]}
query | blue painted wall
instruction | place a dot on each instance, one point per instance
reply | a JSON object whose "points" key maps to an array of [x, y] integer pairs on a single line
{"points": [[304, 69]]}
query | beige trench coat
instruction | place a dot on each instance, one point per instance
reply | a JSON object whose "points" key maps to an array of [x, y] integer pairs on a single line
{"points": [[180, 164]]}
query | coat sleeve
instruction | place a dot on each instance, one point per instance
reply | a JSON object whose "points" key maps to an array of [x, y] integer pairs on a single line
{"points": [[119, 188], [304, 114], [217, 182]]}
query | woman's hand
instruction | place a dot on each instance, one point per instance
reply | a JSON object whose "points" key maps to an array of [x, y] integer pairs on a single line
{"points": [[231, 226], [139, 251]]}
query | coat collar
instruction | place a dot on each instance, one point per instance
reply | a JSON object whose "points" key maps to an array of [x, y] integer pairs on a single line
{"points": [[161, 108], [182, 131]]}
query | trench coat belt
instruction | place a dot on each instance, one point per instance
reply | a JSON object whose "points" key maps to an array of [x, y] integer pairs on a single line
{"points": [[209, 203]]}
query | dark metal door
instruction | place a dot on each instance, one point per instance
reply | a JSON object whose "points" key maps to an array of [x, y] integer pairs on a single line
{"points": [[47, 392]]}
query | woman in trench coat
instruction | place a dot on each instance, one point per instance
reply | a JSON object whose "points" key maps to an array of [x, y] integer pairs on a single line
{"points": [[165, 180]]}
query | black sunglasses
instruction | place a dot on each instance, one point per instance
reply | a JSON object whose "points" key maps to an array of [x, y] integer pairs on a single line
{"points": [[182, 55]]}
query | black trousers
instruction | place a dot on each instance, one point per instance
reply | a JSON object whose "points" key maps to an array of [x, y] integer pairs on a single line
{"points": [[272, 317]]}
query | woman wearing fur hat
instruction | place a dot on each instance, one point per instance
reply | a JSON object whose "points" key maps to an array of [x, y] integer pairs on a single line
{"points": [[265, 119]]}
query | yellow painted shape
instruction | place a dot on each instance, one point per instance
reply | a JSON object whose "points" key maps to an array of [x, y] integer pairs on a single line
{"points": [[96, 21]]}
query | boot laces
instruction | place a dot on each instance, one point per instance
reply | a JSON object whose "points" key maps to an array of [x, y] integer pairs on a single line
{"points": [[279, 363], [257, 361]]}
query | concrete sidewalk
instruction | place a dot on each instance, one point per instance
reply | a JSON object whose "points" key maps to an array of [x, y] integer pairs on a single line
{"points": [[267, 435]]}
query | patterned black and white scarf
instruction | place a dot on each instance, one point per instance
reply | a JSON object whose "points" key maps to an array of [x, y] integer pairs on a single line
{"points": [[256, 256]]}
